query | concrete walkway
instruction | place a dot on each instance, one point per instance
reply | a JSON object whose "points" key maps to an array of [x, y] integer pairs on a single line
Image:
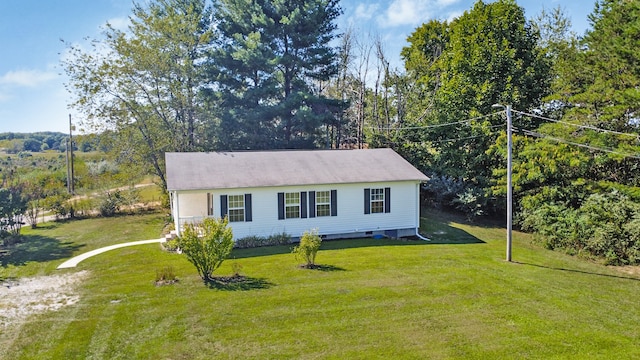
{"points": [[75, 260]]}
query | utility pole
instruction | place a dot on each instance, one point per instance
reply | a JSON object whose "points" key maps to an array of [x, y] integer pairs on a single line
{"points": [[509, 184], [70, 175], [68, 167]]}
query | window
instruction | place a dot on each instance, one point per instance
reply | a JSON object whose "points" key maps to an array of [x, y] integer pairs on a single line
{"points": [[236, 208], [292, 205], [323, 203], [377, 201]]}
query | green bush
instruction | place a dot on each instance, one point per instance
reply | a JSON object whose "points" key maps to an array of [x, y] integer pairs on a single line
{"points": [[58, 205], [308, 248], [250, 242], [83, 207], [110, 203], [165, 275], [605, 226], [279, 239], [171, 245], [258, 241], [206, 245]]}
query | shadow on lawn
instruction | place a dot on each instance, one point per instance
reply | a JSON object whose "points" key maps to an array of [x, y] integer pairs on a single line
{"points": [[238, 283], [577, 271], [446, 234], [323, 268], [452, 236], [37, 248]]}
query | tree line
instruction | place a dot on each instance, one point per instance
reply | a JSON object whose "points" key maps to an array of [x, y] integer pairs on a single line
{"points": [[14, 143], [194, 75]]}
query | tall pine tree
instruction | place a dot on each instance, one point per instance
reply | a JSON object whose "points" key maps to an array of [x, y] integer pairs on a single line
{"points": [[270, 66]]}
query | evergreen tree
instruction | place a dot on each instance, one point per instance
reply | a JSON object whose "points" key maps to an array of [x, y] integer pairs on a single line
{"points": [[270, 67]]}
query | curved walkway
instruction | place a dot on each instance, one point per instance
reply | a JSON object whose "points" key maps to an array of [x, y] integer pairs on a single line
{"points": [[75, 260]]}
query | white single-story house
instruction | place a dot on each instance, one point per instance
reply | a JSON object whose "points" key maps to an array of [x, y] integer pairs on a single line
{"points": [[342, 193]]}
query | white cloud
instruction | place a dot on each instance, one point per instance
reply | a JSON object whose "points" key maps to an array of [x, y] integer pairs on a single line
{"points": [[119, 23], [444, 3], [366, 11], [405, 12], [413, 12], [27, 78]]}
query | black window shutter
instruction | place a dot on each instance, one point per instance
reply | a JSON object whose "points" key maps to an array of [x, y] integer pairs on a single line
{"points": [[280, 206], [312, 204], [303, 204], [334, 202], [223, 206], [387, 200], [209, 204], [247, 207], [367, 201]]}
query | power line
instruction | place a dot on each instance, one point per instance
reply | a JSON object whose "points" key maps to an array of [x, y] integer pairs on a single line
{"points": [[434, 125], [458, 139], [447, 140], [544, 136], [577, 125]]}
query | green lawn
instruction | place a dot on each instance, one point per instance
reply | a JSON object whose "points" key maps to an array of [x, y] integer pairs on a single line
{"points": [[452, 298]]}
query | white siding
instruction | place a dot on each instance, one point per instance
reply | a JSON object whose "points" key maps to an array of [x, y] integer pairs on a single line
{"points": [[350, 219]]}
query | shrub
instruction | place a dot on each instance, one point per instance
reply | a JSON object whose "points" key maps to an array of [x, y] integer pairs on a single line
{"points": [[83, 207], [206, 245], [110, 203], [472, 202], [58, 205], [165, 275], [257, 241], [250, 242], [308, 247], [171, 245], [606, 226], [279, 239], [442, 190]]}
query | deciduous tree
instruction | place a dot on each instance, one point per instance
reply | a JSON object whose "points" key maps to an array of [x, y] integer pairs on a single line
{"points": [[145, 82]]}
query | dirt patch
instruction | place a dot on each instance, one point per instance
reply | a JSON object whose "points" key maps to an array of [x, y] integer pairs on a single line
{"points": [[23, 297], [628, 269]]}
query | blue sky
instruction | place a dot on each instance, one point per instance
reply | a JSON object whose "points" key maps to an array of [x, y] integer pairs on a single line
{"points": [[32, 93]]}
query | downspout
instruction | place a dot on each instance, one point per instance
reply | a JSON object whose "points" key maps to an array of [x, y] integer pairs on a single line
{"points": [[421, 237]]}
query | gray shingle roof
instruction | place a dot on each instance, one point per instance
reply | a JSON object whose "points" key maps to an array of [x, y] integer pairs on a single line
{"points": [[220, 170]]}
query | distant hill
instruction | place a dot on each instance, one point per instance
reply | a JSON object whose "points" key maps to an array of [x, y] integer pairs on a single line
{"points": [[14, 143]]}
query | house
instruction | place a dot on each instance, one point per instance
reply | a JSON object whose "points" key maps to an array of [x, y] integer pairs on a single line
{"points": [[342, 193]]}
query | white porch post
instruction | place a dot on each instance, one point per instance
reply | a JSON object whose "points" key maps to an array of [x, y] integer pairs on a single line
{"points": [[176, 211]]}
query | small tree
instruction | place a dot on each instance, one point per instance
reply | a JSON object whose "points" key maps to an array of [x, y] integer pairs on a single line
{"points": [[12, 207], [207, 245], [308, 247]]}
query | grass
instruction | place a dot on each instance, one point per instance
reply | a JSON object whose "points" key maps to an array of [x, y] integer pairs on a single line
{"points": [[451, 298], [150, 194], [45, 247]]}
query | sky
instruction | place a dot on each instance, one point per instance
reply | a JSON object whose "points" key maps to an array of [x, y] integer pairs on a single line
{"points": [[32, 93]]}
